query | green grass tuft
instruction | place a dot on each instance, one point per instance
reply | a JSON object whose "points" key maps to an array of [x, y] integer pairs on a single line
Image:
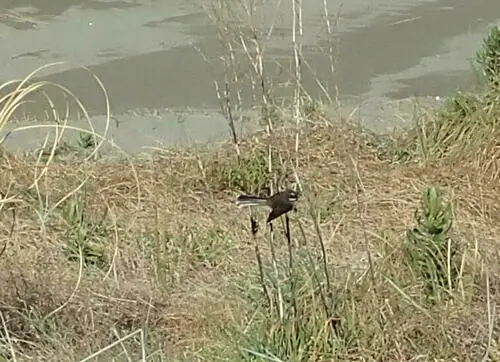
{"points": [[430, 252]]}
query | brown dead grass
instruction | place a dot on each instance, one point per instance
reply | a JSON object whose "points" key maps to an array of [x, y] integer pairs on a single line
{"points": [[177, 245]]}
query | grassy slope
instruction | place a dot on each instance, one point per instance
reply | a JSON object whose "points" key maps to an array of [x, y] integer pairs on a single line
{"points": [[174, 256]]}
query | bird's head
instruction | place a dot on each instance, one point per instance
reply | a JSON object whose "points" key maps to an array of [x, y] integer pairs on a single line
{"points": [[292, 195]]}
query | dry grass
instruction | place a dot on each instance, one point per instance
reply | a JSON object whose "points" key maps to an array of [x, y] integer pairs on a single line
{"points": [[176, 259]]}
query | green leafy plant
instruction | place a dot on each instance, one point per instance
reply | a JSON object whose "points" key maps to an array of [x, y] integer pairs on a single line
{"points": [[86, 141], [248, 173], [488, 58], [85, 236], [429, 250], [460, 106]]}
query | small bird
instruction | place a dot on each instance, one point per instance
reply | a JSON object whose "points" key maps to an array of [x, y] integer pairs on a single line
{"points": [[280, 203]]}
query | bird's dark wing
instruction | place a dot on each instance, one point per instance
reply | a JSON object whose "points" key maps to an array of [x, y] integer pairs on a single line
{"points": [[278, 211]]}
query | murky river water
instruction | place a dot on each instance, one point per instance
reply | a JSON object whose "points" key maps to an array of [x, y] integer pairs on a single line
{"points": [[147, 53]]}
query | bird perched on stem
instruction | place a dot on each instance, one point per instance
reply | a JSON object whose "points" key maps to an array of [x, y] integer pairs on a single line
{"points": [[280, 203]]}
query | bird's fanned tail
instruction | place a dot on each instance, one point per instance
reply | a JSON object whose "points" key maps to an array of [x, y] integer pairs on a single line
{"points": [[247, 200]]}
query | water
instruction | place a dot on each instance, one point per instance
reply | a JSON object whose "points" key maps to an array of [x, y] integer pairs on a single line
{"points": [[149, 56]]}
